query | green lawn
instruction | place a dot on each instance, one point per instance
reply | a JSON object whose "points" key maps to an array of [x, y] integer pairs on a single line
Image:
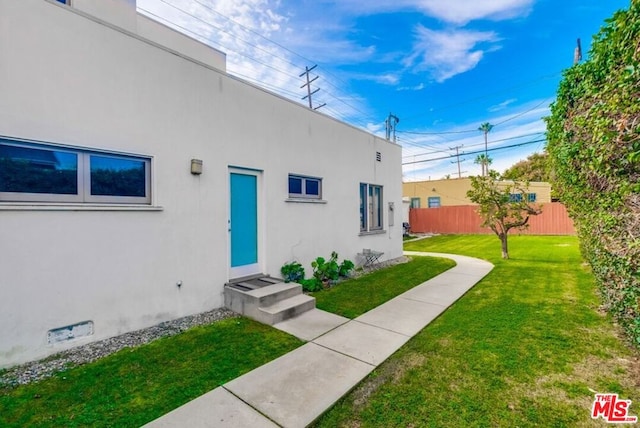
{"points": [[356, 296], [137, 385], [527, 346]]}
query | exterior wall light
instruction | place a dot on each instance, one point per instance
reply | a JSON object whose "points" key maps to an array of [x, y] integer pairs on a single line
{"points": [[196, 166]]}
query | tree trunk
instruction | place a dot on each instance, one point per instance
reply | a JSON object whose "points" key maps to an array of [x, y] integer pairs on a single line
{"points": [[505, 249]]}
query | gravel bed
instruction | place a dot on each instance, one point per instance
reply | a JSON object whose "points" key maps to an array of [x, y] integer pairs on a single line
{"points": [[374, 267], [47, 367]]}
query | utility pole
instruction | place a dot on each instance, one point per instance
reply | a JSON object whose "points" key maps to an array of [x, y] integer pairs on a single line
{"points": [[390, 125], [308, 85], [577, 53], [457, 158]]}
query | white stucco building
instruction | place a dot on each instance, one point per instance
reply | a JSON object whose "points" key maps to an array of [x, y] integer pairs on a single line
{"points": [[105, 116]]}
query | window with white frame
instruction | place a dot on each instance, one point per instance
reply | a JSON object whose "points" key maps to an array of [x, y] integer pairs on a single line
{"points": [[370, 207], [415, 203], [301, 186], [37, 172]]}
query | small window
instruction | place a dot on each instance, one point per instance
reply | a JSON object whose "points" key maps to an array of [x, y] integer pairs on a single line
{"points": [[515, 197], [433, 202], [531, 197], [64, 1], [305, 187], [35, 172], [415, 203], [370, 207]]}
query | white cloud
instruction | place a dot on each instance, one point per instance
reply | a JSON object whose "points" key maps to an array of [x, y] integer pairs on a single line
{"points": [[245, 30], [417, 87], [502, 105], [462, 11], [449, 52], [457, 12]]}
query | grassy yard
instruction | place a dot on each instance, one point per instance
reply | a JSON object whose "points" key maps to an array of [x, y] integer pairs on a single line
{"points": [[356, 296], [137, 385], [527, 346]]}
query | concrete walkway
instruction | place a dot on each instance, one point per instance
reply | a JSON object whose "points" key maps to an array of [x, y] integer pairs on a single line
{"points": [[293, 390]]}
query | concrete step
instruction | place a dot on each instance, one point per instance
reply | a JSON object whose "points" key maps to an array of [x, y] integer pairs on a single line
{"points": [[267, 296], [268, 304], [285, 309]]}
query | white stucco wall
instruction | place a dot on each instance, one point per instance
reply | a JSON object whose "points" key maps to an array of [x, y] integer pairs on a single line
{"points": [[69, 80]]}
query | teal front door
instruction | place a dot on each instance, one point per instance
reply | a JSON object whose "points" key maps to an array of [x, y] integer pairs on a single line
{"points": [[243, 224]]}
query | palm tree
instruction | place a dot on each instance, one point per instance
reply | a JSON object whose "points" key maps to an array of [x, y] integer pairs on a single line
{"points": [[486, 128], [484, 161]]}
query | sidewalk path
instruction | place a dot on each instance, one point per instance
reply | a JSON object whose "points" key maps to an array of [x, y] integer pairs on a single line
{"points": [[293, 390]]}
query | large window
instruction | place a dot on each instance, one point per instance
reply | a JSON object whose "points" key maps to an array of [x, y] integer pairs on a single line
{"points": [[33, 172], [370, 207], [301, 186]]}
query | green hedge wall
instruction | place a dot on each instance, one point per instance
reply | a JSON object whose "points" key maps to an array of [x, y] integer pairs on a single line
{"points": [[593, 141]]}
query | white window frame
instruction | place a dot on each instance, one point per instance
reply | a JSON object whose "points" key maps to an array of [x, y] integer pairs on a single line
{"points": [[304, 194], [83, 195], [371, 207]]}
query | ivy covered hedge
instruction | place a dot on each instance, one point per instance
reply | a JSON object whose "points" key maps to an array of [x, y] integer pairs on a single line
{"points": [[593, 137]]}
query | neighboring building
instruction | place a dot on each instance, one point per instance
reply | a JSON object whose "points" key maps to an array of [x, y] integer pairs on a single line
{"points": [[451, 192], [137, 177]]}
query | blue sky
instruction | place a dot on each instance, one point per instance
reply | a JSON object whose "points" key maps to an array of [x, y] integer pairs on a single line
{"points": [[443, 67]]}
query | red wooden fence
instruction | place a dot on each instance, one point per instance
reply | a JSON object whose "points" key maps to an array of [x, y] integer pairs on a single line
{"points": [[554, 220]]}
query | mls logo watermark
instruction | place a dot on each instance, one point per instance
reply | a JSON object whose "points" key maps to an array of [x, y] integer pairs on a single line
{"points": [[612, 409]]}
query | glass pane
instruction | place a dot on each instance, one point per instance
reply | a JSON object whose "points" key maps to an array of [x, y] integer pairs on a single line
{"points": [[363, 205], [117, 176], [295, 186], [35, 170], [312, 187], [377, 221]]}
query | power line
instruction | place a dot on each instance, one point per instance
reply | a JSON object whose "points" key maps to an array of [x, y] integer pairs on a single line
{"points": [[261, 83], [473, 153], [468, 131], [478, 144], [523, 112], [267, 39], [352, 109]]}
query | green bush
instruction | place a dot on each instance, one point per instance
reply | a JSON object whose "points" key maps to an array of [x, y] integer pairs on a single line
{"points": [[324, 270], [593, 137], [292, 272], [345, 268], [311, 284]]}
